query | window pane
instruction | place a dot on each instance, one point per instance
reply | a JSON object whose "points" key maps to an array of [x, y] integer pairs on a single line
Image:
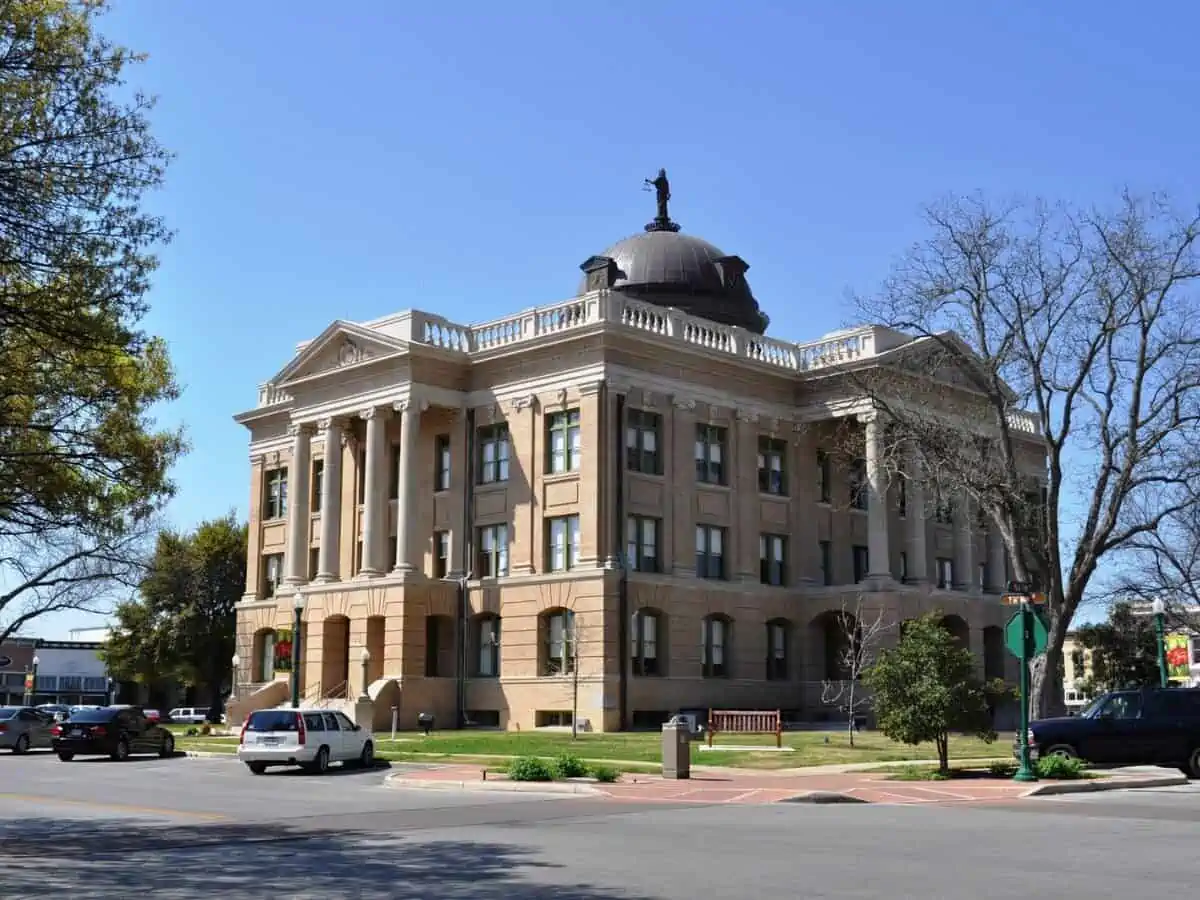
{"points": [[700, 454], [715, 540], [649, 537], [714, 453], [649, 442], [701, 546]]}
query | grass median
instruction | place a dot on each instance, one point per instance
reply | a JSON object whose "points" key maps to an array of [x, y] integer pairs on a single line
{"points": [[642, 750]]}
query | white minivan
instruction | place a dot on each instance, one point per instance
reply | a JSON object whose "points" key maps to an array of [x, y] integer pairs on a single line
{"points": [[309, 738], [189, 715]]}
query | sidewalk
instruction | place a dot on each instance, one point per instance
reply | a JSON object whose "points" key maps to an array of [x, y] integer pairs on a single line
{"points": [[740, 786]]}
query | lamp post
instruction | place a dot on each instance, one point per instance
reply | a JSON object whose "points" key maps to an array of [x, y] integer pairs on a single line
{"points": [[298, 606], [108, 694], [31, 683], [236, 663], [365, 658], [1160, 615]]}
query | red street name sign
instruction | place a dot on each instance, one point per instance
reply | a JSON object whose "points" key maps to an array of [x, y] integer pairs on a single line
{"points": [[1018, 599]]}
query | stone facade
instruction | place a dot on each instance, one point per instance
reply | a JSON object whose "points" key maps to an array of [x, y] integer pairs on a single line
{"points": [[602, 506]]}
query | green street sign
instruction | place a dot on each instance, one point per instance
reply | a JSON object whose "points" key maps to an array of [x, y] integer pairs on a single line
{"points": [[1014, 636]]}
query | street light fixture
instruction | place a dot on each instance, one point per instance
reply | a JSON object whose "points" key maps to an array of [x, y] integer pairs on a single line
{"points": [[31, 683], [365, 658], [236, 663], [298, 606], [1160, 615]]}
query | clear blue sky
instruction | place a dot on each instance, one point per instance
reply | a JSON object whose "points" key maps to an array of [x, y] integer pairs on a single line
{"points": [[349, 160]]}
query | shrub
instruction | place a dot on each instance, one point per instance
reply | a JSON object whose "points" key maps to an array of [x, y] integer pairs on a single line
{"points": [[530, 768], [191, 732], [1002, 769], [1060, 767], [568, 766], [605, 774]]}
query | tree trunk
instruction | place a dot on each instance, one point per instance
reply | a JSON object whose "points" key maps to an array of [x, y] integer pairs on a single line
{"points": [[1045, 687], [943, 749], [850, 714]]}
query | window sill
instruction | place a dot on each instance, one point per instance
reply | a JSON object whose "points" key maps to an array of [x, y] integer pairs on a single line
{"points": [[655, 476], [773, 495], [490, 486], [556, 477], [713, 485]]}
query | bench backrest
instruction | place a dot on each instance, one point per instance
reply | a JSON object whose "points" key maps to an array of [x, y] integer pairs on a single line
{"points": [[744, 721]]}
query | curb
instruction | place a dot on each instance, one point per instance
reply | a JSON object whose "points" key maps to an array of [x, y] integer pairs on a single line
{"points": [[1090, 787], [515, 787], [823, 797], [207, 754]]}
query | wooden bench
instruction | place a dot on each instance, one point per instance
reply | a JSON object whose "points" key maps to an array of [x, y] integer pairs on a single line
{"points": [[732, 721]]}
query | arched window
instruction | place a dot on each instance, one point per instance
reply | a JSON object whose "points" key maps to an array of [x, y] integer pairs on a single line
{"points": [[715, 646], [558, 641], [646, 638], [778, 641], [487, 645]]}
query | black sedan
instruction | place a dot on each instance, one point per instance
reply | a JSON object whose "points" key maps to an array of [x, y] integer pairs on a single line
{"points": [[118, 732]]}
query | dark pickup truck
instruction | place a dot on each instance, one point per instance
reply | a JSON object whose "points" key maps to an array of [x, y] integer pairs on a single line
{"points": [[1146, 727]]}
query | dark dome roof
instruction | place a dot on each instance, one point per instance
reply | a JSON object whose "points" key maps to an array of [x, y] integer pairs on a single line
{"points": [[677, 270]]}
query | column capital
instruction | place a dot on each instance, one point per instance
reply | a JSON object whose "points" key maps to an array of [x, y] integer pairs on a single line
{"points": [[328, 422], [410, 404], [372, 412], [592, 387], [295, 428]]}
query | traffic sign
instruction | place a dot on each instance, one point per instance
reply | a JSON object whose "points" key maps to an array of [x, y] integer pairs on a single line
{"points": [[1033, 642]]}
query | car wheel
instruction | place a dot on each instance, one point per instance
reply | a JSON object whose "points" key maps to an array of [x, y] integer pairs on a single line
{"points": [[1066, 751], [1192, 769], [168, 746], [66, 755], [22, 744], [320, 765], [256, 767], [121, 753], [366, 759]]}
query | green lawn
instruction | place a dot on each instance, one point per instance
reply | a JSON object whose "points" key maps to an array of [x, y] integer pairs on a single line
{"points": [[811, 748]]}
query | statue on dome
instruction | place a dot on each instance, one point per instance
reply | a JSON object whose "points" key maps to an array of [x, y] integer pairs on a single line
{"points": [[662, 189]]}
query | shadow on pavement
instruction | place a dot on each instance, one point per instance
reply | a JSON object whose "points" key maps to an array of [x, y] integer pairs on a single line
{"points": [[109, 858]]}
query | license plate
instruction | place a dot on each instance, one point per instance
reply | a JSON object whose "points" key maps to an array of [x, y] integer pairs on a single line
{"points": [[76, 732], [268, 741]]}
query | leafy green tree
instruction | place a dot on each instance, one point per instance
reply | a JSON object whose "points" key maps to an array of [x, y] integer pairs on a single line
{"points": [[182, 625], [83, 467], [925, 688], [1124, 650]]}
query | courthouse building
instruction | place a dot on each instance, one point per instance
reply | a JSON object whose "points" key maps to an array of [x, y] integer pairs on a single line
{"points": [[625, 504]]}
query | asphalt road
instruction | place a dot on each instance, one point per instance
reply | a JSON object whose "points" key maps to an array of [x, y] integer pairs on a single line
{"points": [[190, 828]]}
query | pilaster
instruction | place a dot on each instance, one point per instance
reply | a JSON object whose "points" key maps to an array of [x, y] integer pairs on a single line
{"points": [[254, 531], [591, 473], [916, 524], [878, 551], [525, 466], [681, 484], [745, 518]]}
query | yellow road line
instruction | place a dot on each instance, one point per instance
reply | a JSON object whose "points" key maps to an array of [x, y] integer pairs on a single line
{"points": [[117, 807]]}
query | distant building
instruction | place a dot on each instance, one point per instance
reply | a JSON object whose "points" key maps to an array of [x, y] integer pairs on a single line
{"points": [[69, 672]]}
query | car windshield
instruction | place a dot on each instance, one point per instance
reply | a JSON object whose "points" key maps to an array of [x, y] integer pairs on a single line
{"points": [[93, 715], [1090, 710], [7, 712], [272, 720]]}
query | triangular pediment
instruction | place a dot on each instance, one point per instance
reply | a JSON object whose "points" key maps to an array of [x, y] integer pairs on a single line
{"points": [[341, 345], [956, 361]]}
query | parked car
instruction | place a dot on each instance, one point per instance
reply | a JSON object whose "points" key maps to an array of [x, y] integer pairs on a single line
{"points": [[23, 728], [309, 738], [115, 731], [152, 714], [59, 711], [188, 715], [1150, 726]]}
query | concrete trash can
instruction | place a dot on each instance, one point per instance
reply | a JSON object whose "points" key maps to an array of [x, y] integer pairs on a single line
{"points": [[676, 749]]}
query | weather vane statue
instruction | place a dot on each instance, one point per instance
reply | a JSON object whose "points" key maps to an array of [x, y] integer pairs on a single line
{"points": [[662, 190]]}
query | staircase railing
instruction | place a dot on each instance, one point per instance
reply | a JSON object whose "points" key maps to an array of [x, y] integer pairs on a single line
{"points": [[337, 692], [312, 694]]}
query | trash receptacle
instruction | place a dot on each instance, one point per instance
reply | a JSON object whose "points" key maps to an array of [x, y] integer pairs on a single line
{"points": [[676, 749]]}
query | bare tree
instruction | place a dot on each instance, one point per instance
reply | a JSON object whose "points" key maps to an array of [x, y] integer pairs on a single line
{"points": [[1166, 565], [1054, 381], [862, 630]]}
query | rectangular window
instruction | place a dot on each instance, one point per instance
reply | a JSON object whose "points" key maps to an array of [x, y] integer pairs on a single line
{"points": [[772, 454], [862, 564], [776, 651], [945, 573], [489, 647], [710, 554], [314, 562], [902, 496], [772, 559], [435, 628], [982, 576], [560, 643], [713, 648], [272, 573], [858, 484], [563, 442], [441, 553], [393, 471], [493, 454], [903, 567], [826, 562], [710, 454], [277, 491], [943, 512], [823, 476], [493, 551], [563, 549], [318, 484], [643, 433], [441, 472], [645, 643], [641, 543], [361, 476]]}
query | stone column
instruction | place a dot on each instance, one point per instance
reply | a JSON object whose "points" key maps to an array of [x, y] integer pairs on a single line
{"points": [[299, 517], [964, 547], [328, 561], [375, 500], [878, 552], [406, 495], [916, 524], [996, 560]]}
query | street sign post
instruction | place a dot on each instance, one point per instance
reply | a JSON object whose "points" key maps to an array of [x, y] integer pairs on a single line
{"points": [[1025, 636]]}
